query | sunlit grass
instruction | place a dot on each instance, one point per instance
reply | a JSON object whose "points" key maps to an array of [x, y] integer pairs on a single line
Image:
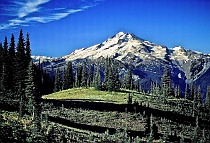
{"points": [[90, 94]]}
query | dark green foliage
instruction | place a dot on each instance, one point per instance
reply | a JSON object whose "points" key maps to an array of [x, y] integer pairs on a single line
{"points": [[129, 84], [166, 83], [196, 135], [115, 78], [108, 75], [97, 79], [207, 103], [193, 92], [68, 77], [21, 104], [27, 49], [107, 72], [5, 67], [147, 126], [111, 76], [109, 79], [197, 101], [178, 92], [37, 113], [186, 91], [31, 88], [53, 134], [78, 79], [39, 137], [20, 62], [84, 75], [57, 83], [12, 70], [151, 134], [90, 76], [1, 62]]}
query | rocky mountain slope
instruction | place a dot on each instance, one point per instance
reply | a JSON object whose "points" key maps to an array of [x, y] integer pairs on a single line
{"points": [[147, 58]]}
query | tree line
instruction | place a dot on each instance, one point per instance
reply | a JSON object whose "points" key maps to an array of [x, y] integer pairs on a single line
{"points": [[20, 79]]}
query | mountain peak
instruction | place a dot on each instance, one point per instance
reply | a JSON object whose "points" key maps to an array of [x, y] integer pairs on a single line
{"points": [[179, 48], [126, 36]]}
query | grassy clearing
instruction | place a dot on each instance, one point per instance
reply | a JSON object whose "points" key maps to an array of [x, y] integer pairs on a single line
{"points": [[90, 94]]}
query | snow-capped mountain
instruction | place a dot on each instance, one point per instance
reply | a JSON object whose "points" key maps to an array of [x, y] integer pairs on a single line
{"points": [[147, 58]]}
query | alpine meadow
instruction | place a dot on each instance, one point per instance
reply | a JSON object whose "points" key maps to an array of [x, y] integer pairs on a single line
{"points": [[104, 71]]}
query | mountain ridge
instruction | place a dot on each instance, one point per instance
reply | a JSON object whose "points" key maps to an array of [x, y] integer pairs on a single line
{"points": [[146, 57]]}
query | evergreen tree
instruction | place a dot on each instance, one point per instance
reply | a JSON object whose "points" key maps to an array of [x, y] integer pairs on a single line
{"points": [[68, 77], [27, 50], [197, 101], [97, 78], [156, 89], [207, 103], [129, 84], [12, 69], [47, 83], [151, 134], [20, 62], [31, 89], [178, 91], [90, 76], [196, 133], [193, 92], [78, 78], [107, 73], [84, 75], [166, 83], [57, 83], [109, 82], [1, 68], [5, 66], [186, 91], [116, 80]]}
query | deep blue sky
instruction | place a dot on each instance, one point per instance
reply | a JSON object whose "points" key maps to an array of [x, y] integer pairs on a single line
{"points": [[58, 27]]}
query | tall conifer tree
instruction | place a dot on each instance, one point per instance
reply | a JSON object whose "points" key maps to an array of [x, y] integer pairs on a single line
{"points": [[27, 50], [207, 103], [12, 69], [1, 68], [166, 83], [97, 78], [31, 88], [57, 83], [5, 66], [20, 62], [84, 75], [68, 77], [116, 80], [129, 84], [90, 76], [106, 73], [78, 78]]}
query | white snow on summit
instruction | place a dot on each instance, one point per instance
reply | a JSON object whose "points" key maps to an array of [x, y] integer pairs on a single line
{"points": [[179, 54]]}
